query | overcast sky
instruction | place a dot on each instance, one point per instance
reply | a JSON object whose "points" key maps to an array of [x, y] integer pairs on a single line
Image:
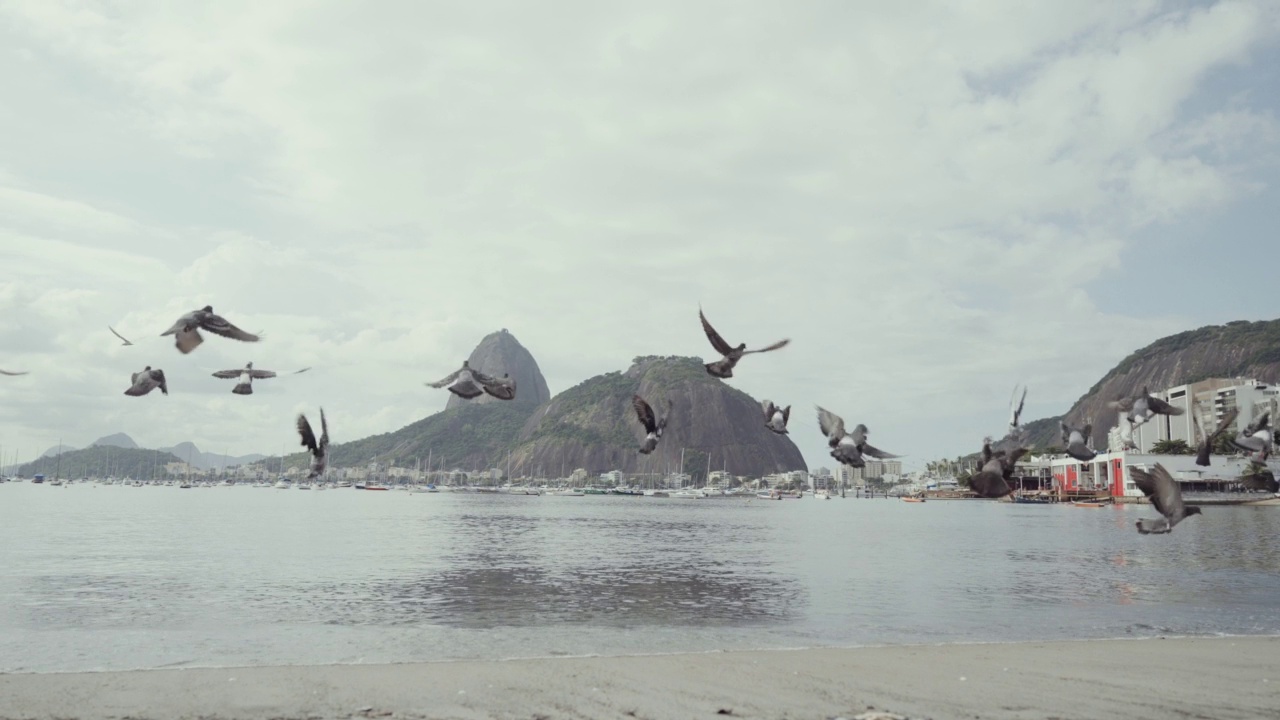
{"points": [[934, 201]]}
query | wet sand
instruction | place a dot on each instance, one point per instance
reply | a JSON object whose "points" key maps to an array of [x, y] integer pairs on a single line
{"points": [[1233, 677]]}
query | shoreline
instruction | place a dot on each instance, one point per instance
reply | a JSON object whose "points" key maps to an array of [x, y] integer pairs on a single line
{"points": [[1219, 677]]}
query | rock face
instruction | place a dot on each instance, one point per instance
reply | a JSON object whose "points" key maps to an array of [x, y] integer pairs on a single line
{"points": [[500, 353], [467, 434], [1238, 349], [593, 426]]}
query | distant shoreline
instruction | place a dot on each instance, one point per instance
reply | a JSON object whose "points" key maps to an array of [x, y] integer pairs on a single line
{"points": [[1216, 677]]}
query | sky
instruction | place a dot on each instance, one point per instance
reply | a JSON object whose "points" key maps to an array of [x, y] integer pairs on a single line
{"points": [[933, 201]]}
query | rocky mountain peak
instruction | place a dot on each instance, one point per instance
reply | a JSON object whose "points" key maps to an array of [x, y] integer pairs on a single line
{"points": [[500, 353]]}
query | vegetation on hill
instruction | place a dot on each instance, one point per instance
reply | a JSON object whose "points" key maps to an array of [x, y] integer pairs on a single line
{"points": [[101, 461]]}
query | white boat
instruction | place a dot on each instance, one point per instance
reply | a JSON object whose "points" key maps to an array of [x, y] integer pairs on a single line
{"points": [[281, 485], [303, 486], [821, 495], [687, 495], [568, 492]]}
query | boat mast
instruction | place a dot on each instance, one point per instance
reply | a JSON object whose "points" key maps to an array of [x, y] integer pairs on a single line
{"points": [[57, 474]]}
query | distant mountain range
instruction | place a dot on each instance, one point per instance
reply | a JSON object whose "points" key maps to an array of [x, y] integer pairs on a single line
{"points": [[185, 451], [591, 425]]}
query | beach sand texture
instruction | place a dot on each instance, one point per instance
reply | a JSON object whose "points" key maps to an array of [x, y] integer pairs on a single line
{"points": [[1234, 677]]}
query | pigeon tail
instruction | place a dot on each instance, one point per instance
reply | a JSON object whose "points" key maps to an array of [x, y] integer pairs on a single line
{"points": [[1158, 526], [243, 389]]}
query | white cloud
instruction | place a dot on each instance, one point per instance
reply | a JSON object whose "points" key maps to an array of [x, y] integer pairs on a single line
{"points": [[919, 195]]}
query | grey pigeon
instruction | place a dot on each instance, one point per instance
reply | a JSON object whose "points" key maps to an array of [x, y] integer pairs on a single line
{"points": [[847, 447], [466, 386], [1256, 440], [994, 479], [13, 374], [146, 381], [186, 330], [503, 388], [723, 368], [775, 418], [1077, 441], [1015, 413], [299, 372], [1206, 446], [1165, 496], [319, 449], [113, 332], [247, 376], [1139, 410], [653, 427], [1259, 477]]}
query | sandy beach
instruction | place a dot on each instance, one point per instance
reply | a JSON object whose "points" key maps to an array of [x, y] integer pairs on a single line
{"points": [[1235, 677]]}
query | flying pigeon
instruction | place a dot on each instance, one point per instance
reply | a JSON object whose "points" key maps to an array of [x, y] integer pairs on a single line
{"points": [[1206, 447], [299, 372], [247, 376], [1140, 409], [1165, 495], [723, 368], [1077, 441], [1259, 477], [653, 428], [503, 388], [847, 447], [13, 374], [1256, 440], [186, 330], [113, 332], [146, 381], [775, 418], [1015, 412], [319, 450], [467, 385], [993, 480]]}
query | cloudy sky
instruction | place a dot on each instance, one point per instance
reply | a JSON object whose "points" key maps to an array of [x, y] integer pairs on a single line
{"points": [[932, 200]]}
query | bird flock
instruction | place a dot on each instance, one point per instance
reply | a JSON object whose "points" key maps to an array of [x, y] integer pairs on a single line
{"points": [[994, 478]]}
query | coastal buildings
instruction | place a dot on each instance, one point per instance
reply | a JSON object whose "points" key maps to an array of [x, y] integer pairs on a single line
{"points": [[1109, 472], [1205, 402]]}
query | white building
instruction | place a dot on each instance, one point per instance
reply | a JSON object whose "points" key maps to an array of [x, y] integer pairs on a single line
{"points": [[1206, 403], [1109, 472]]}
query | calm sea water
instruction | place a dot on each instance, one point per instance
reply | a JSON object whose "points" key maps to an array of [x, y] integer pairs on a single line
{"points": [[118, 577]]}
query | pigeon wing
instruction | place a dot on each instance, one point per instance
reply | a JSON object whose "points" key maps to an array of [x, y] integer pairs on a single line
{"points": [[218, 325], [1227, 421], [299, 372], [1258, 424], [447, 380], [13, 374], [1125, 404], [1066, 433], [263, 374], [717, 342], [1017, 412], [1168, 492], [113, 332], [324, 430], [776, 346], [786, 415], [158, 376], [1147, 484], [662, 422], [767, 405], [867, 449], [832, 425], [227, 374], [308, 437], [989, 484], [1163, 408], [644, 413]]}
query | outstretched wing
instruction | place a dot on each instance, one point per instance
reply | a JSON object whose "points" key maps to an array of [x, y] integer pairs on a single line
{"points": [[228, 374], [324, 430], [1227, 421], [1146, 482], [1066, 433], [662, 422], [867, 449], [1258, 424], [263, 374], [831, 425], [158, 376], [299, 372], [1168, 493], [482, 379], [1124, 404], [1016, 412], [1159, 406], [308, 437], [218, 325], [768, 407], [13, 374], [447, 380], [113, 332], [770, 348], [786, 415], [644, 412], [717, 342]]}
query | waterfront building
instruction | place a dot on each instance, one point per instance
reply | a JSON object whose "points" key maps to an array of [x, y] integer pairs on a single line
{"points": [[1206, 402], [1109, 472]]}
